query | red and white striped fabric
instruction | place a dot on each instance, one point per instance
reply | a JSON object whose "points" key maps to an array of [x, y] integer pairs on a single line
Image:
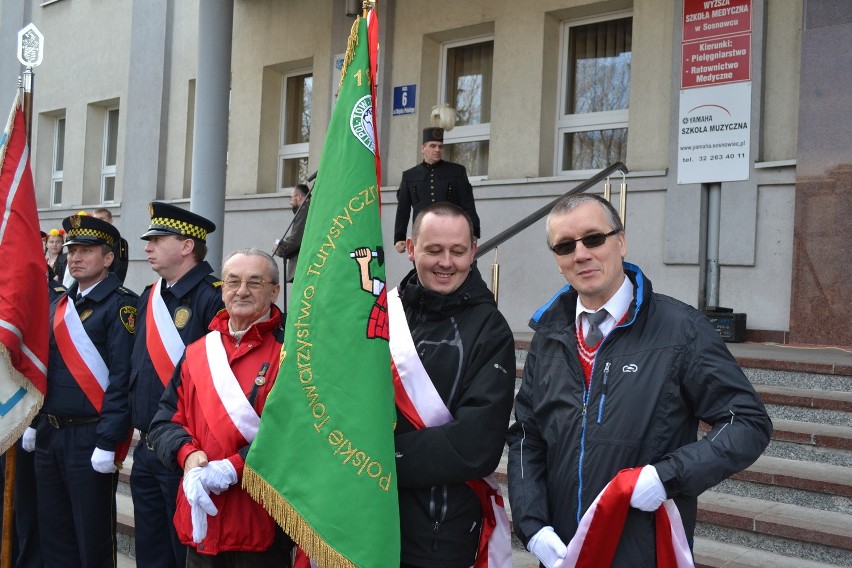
{"points": [[421, 404], [165, 345], [232, 419], [600, 529]]}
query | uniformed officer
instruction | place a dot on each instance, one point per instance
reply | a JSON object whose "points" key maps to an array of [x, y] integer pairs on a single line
{"points": [[120, 248], [431, 181], [83, 430], [174, 311]]}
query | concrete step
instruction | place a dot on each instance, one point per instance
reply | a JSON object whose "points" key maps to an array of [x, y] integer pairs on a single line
{"points": [[125, 531], [790, 530], [713, 554], [805, 397], [818, 486]]}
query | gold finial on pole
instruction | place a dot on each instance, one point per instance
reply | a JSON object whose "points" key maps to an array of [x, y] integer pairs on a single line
{"points": [[495, 278]]}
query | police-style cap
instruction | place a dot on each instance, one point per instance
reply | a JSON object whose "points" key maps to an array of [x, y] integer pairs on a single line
{"points": [[168, 219], [88, 230], [433, 134]]}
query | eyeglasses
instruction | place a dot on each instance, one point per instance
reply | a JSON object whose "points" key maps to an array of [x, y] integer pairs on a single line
{"points": [[252, 283], [589, 241]]}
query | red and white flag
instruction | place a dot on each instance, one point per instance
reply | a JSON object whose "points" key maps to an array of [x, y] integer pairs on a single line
{"points": [[24, 308]]}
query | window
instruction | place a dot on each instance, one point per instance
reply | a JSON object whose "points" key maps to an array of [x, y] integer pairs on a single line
{"points": [[296, 109], [58, 162], [591, 128], [110, 152], [466, 71]]}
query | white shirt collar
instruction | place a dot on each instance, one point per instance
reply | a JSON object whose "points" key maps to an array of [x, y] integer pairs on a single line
{"points": [[616, 307]]}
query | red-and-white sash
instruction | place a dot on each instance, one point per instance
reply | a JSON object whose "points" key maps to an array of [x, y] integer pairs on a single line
{"points": [[230, 416], [420, 403], [80, 354], [165, 345], [600, 529], [85, 362]]}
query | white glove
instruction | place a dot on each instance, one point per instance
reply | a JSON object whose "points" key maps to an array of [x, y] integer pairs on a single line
{"points": [[200, 503], [649, 493], [103, 461], [218, 475], [548, 547], [28, 441]]}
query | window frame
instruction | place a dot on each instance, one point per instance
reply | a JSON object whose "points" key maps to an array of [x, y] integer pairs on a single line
{"points": [[296, 151], [108, 171], [57, 176], [464, 133], [582, 122]]}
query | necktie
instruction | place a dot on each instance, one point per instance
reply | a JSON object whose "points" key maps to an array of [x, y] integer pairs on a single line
{"points": [[594, 334]]}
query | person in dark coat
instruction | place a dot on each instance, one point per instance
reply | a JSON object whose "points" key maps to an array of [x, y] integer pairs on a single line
{"points": [[288, 247], [187, 296], [467, 349], [120, 248], [83, 429], [618, 378], [431, 181]]}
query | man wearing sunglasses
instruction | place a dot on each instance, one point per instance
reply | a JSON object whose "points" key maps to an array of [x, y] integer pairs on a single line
{"points": [[618, 378]]}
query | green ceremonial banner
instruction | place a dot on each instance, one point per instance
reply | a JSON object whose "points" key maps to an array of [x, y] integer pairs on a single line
{"points": [[323, 460]]}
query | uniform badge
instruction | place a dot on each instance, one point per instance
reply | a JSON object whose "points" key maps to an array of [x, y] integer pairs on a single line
{"points": [[86, 313], [182, 315], [150, 209], [127, 315], [75, 221]]}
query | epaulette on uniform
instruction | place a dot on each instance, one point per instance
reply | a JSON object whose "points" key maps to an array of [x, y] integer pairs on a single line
{"points": [[59, 289], [214, 281], [127, 291]]}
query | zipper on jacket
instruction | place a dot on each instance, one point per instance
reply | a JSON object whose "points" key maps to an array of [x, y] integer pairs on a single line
{"points": [[603, 392], [436, 519]]}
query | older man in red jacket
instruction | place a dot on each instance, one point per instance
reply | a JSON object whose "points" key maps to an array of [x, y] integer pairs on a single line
{"points": [[209, 416]]}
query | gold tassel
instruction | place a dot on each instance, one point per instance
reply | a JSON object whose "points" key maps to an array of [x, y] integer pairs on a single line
{"points": [[350, 51], [293, 524]]}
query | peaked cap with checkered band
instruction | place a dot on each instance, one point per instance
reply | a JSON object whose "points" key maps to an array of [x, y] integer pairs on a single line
{"points": [[168, 219], [88, 230]]}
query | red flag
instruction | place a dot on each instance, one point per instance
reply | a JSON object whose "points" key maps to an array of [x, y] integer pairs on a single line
{"points": [[24, 308]]}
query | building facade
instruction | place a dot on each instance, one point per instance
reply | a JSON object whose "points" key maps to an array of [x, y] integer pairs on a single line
{"points": [[547, 93]]}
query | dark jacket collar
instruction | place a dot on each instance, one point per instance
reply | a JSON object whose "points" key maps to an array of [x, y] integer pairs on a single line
{"points": [[189, 280], [473, 291], [559, 312], [103, 289]]}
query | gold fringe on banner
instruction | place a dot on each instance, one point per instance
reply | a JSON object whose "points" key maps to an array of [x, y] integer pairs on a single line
{"points": [[350, 51], [292, 522]]}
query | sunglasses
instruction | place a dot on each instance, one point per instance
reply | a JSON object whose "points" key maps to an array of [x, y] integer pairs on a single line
{"points": [[589, 241]]}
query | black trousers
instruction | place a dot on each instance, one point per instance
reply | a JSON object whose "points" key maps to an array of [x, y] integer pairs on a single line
{"points": [[76, 504], [154, 489]]}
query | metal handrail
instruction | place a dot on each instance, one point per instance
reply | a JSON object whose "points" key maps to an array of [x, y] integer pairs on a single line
{"points": [[507, 234]]}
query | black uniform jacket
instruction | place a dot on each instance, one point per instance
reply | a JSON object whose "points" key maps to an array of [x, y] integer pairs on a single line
{"points": [[467, 348], [425, 184], [192, 301], [108, 313]]}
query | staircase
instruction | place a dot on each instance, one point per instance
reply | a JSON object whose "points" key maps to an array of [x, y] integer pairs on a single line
{"points": [[793, 507]]}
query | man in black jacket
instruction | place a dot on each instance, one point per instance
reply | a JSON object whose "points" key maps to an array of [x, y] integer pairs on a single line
{"points": [[431, 181], [462, 351], [288, 247], [619, 377]]}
